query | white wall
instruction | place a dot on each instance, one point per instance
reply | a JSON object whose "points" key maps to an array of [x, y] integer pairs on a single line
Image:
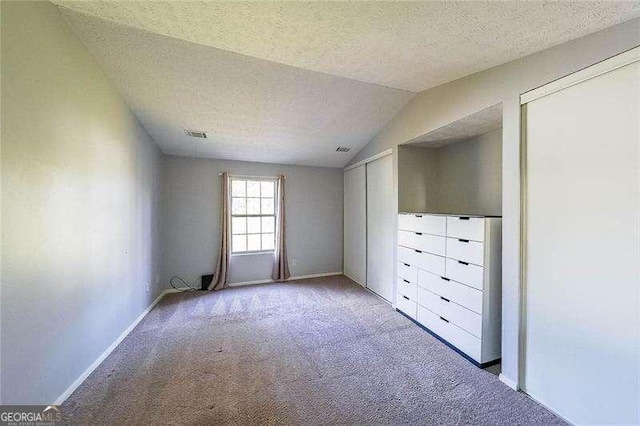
{"points": [[191, 219], [80, 208], [434, 108]]}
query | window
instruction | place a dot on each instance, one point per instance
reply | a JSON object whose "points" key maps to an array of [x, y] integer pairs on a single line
{"points": [[253, 215]]}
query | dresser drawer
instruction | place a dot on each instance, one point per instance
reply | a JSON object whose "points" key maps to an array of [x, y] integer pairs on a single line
{"points": [[472, 275], [407, 289], [406, 305], [461, 294], [422, 260], [466, 342], [426, 223], [408, 272], [407, 255], [466, 228], [424, 242], [462, 317], [429, 262], [466, 250]]}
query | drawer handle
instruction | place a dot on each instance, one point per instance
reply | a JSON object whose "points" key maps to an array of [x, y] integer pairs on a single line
{"points": [[444, 319], [406, 297], [463, 263], [463, 218], [463, 241], [446, 279], [418, 233], [405, 264], [445, 299], [406, 281], [417, 251]]}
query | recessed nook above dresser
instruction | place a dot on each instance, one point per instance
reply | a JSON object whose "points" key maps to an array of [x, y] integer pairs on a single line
{"points": [[455, 169]]}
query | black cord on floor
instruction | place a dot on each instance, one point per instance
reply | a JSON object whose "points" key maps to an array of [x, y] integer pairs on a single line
{"points": [[185, 285]]}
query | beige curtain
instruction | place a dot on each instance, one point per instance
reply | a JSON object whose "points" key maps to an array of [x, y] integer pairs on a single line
{"points": [[280, 264], [221, 274]]}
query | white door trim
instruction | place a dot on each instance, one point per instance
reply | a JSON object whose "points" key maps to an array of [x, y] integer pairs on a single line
{"points": [[603, 67], [370, 159]]}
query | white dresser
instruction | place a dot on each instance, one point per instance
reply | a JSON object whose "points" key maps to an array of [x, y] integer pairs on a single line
{"points": [[450, 280]]}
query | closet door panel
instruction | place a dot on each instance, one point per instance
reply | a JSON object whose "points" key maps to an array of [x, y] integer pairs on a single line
{"points": [[381, 227], [355, 228], [582, 243]]}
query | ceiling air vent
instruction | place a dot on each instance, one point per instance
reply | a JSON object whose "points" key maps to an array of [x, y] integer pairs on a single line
{"points": [[342, 149], [195, 133]]}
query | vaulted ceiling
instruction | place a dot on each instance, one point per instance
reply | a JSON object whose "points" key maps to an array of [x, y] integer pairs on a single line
{"points": [[289, 82]]}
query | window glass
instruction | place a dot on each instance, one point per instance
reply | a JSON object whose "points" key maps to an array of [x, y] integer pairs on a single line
{"points": [[238, 188], [239, 225], [267, 189], [253, 215], [253, 242], [239, 243], [267, 206], [268, 224], [253, 225], [253, 188], [238, 206], [268, 241]]}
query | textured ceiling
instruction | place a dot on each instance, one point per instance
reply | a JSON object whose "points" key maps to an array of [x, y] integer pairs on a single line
{"points": [[468, 127], [251, 109], [406, 45]]}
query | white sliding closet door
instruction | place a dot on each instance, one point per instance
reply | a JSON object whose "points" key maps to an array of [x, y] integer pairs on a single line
{"points": [[582, 248], [355, 224], [381, 226]]}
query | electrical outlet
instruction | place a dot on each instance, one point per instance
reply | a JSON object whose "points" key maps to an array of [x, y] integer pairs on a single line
{"points": [[294, 262], [147, 287], [157, 279]]}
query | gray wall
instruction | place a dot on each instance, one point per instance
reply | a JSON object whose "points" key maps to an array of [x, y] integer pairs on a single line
{"points": [[80, 208], [191, 219], [434, 108], [461, 178], [470, 176], [417, 179]]}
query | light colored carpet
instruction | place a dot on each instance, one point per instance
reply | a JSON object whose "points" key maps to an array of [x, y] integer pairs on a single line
{"points": [[322, 351]]}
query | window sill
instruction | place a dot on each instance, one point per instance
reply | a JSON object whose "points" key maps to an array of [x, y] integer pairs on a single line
{"points": [[252, 253]]}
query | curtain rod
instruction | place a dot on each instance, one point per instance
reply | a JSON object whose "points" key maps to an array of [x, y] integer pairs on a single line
{"points": [[252, 177]]}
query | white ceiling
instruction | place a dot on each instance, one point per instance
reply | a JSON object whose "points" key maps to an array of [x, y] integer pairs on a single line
{"points": [[288, 82], [407, 45], [473, 125], [251, 109]]}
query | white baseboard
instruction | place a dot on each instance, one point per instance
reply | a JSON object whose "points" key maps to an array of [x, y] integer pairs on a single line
{"points": [[240, 284], [110, 349], [126, 332], [354, 280], [292, 278], [507, 381]]}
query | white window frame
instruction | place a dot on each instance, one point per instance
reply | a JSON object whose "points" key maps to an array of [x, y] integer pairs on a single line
{"points": [[274, 215]]}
